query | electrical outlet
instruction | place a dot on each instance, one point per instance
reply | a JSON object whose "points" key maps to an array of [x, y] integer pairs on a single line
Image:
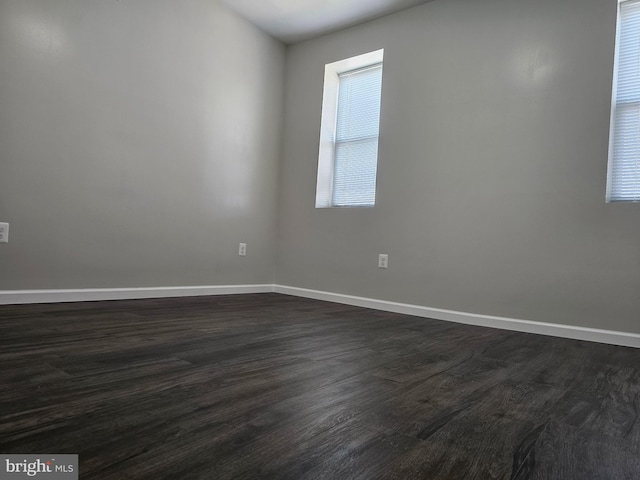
{"points": [[4, 233], [242, 249], [383, 260]]}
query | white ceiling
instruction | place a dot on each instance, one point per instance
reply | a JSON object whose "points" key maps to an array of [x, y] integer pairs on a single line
{"points": [[295, 20]]}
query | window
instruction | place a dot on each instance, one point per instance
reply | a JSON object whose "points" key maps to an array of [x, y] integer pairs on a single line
{"points": [[348, 156], [623, 182]]}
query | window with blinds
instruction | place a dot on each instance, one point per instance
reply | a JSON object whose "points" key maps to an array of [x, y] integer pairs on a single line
{"points": [[623, 183], [356, 150], [348, 157]]}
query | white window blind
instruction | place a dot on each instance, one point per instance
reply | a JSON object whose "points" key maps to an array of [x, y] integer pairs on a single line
{"points": [[356, 137], [624, 162]]}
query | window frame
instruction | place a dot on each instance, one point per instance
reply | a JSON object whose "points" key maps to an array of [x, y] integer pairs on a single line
{"points": [[328, 126]]}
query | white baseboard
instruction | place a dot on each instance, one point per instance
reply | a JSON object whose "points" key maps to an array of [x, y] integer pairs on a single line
{"points": [[13, 297], [8, 297], [552, 329]]}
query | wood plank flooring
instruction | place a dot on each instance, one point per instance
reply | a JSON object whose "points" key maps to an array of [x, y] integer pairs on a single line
{"points": [[270, 386]]}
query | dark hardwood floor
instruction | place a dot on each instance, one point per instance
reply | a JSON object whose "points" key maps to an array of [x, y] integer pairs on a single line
{"points": [[270, 386]]}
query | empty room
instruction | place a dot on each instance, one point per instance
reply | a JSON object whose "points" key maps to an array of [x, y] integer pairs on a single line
{"points": [[320, 239]]}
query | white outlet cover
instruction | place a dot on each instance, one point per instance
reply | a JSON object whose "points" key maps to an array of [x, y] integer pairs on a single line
{"points": [[4, 233], [383, 260], [242, 249]]}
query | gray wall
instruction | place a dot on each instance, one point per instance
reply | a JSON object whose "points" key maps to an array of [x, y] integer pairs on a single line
{"points": [[492, 166], [139, 143]]}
